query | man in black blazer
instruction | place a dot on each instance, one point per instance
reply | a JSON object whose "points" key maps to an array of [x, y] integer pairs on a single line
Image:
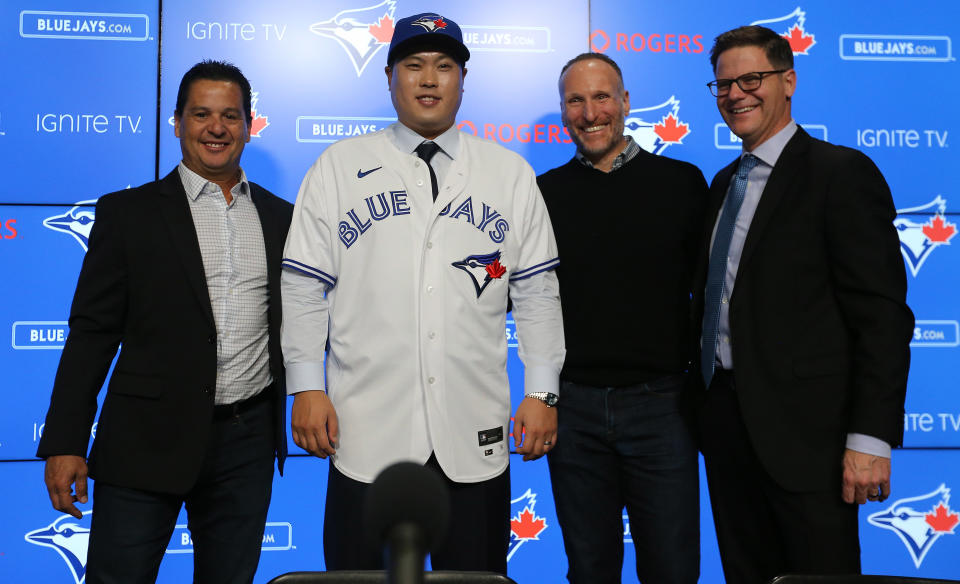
{"points": [[184, 275], [804, 329]]}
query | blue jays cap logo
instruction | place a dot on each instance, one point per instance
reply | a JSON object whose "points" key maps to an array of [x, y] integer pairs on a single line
{"points": [[791, 27], [69, 537], [525, 524], [361, 32], [77, 222], [919, 521], [923, 229], [482, 269], [430, 23], [654, 128]]}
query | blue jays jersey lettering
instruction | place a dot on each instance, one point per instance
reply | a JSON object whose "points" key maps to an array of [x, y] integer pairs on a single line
{"points": [[378, 207], [417, 293], [489, 215]]}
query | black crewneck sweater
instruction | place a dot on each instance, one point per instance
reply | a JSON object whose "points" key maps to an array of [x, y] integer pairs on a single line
{"points": [[628, 241]]}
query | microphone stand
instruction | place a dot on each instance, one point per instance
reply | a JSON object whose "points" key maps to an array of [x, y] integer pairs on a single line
{"points": [[405, 554]]}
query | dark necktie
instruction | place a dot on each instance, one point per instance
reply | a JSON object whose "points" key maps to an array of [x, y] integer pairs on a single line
{"points": [[717, 270], [425, 151]]}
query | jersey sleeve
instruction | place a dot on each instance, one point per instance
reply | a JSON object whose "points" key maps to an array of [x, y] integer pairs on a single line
{"points": [[538, 247], [309, 244]]}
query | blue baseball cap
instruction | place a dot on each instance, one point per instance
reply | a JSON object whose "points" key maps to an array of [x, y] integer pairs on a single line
{"points": [[427, 30]]}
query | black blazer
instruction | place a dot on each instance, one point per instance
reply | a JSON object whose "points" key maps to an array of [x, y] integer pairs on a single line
{"points": [[142, 287], [818, 316]]}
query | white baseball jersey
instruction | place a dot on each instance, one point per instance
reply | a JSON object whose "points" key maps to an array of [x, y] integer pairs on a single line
{"points": [[417, 297]]}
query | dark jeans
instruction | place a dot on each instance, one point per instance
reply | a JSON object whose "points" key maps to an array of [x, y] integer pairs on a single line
{"points": [[226, 511], [477, 536], [627, 447], [763, 530]]}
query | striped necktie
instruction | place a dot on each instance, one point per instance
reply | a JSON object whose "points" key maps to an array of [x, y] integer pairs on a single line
{"points": [[717, 270]]}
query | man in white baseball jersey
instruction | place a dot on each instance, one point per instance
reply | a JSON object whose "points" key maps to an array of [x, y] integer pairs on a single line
{"points": [[402, 251]]}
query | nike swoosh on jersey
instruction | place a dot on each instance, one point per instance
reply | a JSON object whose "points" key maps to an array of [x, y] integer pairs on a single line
{"points": [[361, 173]]}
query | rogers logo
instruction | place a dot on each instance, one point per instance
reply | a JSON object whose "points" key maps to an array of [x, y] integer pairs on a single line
{"points": [[8, 229], [525, 133], [600, 42]]}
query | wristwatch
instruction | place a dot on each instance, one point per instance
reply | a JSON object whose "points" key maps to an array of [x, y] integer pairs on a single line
{"points": [[550, 399]]}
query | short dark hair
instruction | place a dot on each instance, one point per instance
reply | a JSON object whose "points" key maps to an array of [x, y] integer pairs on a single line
{"points": [[592, 56], [214, 71], [775, 47]]}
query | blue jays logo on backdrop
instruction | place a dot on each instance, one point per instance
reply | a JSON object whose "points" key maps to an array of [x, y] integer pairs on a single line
{"points": [[525, 524], [656, 127], [791, 27], [919, 521], [68, 536], [923, 229], [259, 122], [77, 222], [361, 32]]}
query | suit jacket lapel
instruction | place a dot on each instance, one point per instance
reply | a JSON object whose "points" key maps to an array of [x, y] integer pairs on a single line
{"points": [[272, 237], [783, 176], [183, 235]]}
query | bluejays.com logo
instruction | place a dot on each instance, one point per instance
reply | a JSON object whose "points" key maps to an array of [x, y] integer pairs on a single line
{"points": [[361, 32], [525, 524], [791, 28], [69, 537], [654, 128], [77, 222], [919, 521], [918, 239]]}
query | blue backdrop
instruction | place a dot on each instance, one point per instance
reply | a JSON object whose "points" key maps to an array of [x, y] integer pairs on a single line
{"points": [[87, 109]]}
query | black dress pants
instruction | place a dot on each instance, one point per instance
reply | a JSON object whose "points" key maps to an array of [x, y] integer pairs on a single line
{"points": [[763, 529], [226, 510], [477, 536]]}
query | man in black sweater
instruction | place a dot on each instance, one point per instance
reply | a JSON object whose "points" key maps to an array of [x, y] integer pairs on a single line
{"points": [[628, 226]]}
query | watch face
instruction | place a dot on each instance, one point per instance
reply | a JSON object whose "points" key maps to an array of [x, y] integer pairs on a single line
{"points": [[552, 399]]}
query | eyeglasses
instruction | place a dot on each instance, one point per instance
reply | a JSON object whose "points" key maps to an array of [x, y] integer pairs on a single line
{"points": [[746, 82]]}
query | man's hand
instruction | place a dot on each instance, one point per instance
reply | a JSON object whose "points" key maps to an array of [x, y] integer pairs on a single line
{"points": [[865, 477], [314, 423], [534, 428], [61, 473]]}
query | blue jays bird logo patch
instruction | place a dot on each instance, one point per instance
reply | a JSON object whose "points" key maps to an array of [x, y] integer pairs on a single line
{"points": [[482, 269]]}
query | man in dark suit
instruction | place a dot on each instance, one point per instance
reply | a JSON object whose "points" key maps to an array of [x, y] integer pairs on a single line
{"points": [[804, 329], [184, 275]]}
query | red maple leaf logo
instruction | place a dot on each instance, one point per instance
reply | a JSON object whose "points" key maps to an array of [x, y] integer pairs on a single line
{"points": [[258, 124], [670, 130], [941, 519], [495, 270], [440, 23], [383, 30], [527, 525], [939, 231], [800, 41]]}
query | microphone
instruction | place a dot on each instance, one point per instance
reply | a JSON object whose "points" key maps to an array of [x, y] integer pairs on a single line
{"points": [[406, 510]]}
